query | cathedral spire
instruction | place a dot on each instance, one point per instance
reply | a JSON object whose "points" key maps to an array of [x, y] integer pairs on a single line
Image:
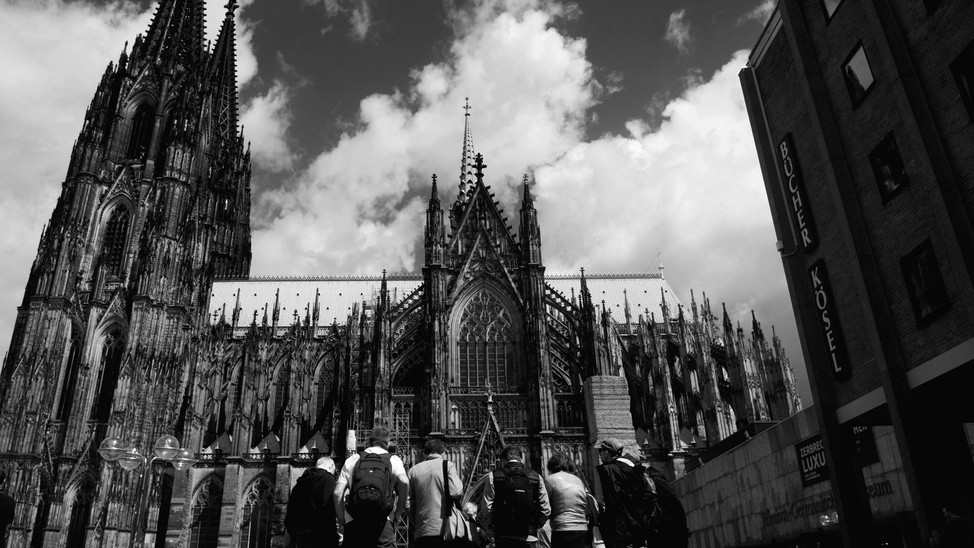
{"points": [[467, 158], [223, 77], [176, 33], [529, 231]]}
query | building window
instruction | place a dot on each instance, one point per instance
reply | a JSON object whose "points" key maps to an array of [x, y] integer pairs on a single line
{"points": [[111, 362], [255, 527], [924, 283], [888, 168], [963, 69], [142, 124], [485, 344], [113, 246], [830, 6], [204, 528], [858, 76]]}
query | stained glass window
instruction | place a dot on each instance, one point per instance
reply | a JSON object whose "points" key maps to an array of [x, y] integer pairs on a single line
{"points": [[255, 527], [116, 231], [485, 344], [141, 136], [111, 361], [205, 527]]}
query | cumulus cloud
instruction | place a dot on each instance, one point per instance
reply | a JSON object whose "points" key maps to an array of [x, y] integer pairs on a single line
{"points": [[47, 85], [691, 188], [761, 12], [678, 31], [267, 119], [358, 208]]}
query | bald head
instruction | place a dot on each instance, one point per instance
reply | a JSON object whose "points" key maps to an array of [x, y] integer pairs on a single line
{"points": [[326, 464]]}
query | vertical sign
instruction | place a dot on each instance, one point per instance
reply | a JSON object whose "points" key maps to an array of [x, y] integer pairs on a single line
{"points": [[801, 213], [828, 321]]}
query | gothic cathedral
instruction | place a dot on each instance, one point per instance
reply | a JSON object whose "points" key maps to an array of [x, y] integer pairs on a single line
{"points": [[140, 319]]}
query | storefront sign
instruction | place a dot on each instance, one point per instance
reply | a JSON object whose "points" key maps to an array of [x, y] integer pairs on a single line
{"points": [[798, 206], [811, 454], [811, 461], [828, 321]]}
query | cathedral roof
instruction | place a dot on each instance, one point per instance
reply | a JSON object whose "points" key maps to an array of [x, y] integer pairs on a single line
{"points": [[337, 295]]}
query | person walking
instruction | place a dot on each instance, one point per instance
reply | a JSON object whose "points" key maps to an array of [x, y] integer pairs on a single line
{"points": [[515, 502], [571, 509], [7, 508], [622, 493], [372, 487], [311, 520], [426, 490]]}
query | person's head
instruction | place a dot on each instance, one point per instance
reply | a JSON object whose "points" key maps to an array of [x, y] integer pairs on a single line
{"points": [[326, 464], [511, 452], [609, 449], [379, 437], [560, 462], [433, 446]]}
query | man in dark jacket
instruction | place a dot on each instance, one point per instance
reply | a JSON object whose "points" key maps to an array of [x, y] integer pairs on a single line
{"points": [[310, 519], [622, 492]]}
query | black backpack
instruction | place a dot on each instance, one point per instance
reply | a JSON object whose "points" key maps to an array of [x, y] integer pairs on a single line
{"points": [[517, 491], [372, 487], [666, 521]]}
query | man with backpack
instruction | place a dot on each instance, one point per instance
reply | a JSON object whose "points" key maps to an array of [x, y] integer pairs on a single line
{"points": [[623, 494], [515, 502], [310, 518], [371, 491]]}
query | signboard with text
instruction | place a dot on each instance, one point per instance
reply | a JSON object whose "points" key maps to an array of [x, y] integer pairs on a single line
{"points": [[828, 321], [798, 207], [811, 454]]}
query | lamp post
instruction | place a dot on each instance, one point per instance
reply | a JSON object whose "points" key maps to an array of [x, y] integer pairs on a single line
{"points": [[166, 449]]}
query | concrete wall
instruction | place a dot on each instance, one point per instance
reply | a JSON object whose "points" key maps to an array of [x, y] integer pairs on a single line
{"points": [[754, 491]]}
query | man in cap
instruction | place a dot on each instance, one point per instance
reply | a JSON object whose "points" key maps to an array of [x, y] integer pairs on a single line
{"points": [[622, 494]]}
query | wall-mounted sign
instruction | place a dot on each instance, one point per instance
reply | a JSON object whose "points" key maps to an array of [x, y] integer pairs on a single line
{"points": [[811, 454], [798, 206], [811, 461], [828, 321]]}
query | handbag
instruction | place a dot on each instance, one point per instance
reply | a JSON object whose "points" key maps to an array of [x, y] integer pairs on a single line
{"points": [[457, 530]]}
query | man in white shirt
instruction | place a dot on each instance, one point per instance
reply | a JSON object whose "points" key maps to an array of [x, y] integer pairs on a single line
{"points": [[368, 531]]}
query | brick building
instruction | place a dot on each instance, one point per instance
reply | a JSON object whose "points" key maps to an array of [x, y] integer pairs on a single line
{"points": [[140, 319], [862, 116]]}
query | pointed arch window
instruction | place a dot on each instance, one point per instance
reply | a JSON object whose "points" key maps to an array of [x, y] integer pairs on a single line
{"points": [[485, 344], [255, 526], [70, 379], [139, 139], [111, 361], [79, 500], [205, 526], [116, 234]]}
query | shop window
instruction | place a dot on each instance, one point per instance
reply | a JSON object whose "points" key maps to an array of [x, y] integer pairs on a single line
{"points": [[830, 6], [928, 295], [888, 168], [963, 69], [858, 76]]}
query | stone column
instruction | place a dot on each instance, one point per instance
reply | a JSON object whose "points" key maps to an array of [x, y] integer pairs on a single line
{"points": [[607, 415]]}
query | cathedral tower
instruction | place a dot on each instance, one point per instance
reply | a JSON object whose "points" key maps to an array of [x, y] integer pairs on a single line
{"points": [[154, 205]]}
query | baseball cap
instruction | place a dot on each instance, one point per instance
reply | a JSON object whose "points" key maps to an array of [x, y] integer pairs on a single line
{"points": [[612, 445]]}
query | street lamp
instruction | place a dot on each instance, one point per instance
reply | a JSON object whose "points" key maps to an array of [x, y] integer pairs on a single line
{"points": [[166, 449]]}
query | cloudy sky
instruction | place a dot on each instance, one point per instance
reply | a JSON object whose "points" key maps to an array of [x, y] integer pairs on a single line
{"points": [[627, 114]]}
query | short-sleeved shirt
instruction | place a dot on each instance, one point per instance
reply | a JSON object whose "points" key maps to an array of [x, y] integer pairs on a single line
{"points": [[398, 471], [426, 494], [487, 509]]}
